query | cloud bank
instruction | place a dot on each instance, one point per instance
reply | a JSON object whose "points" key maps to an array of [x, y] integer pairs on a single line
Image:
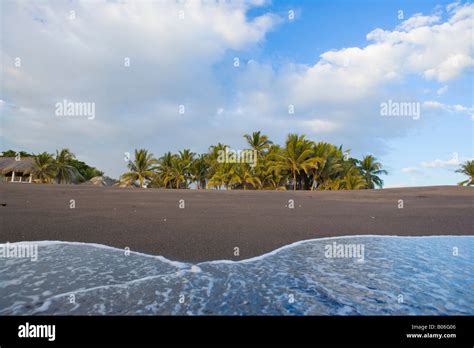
{"points": [[151, 70]]}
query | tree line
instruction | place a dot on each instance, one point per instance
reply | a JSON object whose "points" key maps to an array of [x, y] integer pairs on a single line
{"points": [[300, 164], [62, 168]]}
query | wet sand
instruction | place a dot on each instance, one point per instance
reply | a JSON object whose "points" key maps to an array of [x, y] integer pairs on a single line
{"points": [[213, 223]]}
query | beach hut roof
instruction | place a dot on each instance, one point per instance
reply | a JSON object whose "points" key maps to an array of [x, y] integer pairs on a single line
{"points": [[10, 164]]}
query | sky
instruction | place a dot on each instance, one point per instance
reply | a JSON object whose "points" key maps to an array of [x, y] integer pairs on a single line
{"points": [[168, 75]]}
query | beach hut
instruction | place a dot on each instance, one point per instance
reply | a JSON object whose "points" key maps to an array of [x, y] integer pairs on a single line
{"points": [[15, 169]]}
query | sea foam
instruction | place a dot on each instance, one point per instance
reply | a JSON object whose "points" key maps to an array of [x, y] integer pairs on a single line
{"points": [[398, 276]]}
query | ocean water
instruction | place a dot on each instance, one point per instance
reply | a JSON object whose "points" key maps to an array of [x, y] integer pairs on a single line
{"points": [[397, 276]]}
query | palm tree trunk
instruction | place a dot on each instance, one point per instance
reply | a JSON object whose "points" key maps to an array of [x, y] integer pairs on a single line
{"points": [[294, 181]]}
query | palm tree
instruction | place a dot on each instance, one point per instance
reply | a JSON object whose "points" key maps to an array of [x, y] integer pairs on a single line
{"points": [[165, 169], [216, 170], [179, 170], [333, 184], [156, 181], [65, 172], [258, 142], [467, 168], [353, 180], [328, 165], [216, 181], [246, 176], [371, 169], [186, 157], [213, 154], [297, 156], [199, 170], [141, 168], [214, 150], [44, 168], [274, 180], [262, 146], [224, 175]]}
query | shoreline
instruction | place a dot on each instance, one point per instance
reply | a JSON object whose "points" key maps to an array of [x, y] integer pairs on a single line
{"points": [[182, 264], [213, 223]]}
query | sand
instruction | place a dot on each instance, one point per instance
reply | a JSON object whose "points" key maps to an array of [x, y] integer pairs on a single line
{"points": [[213, 223]]}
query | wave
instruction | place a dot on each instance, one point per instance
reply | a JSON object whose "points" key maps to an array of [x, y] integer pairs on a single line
{"points": [[398, 276], [251, 259]]}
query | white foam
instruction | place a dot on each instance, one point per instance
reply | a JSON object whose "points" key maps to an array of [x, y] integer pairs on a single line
{"points": [[226, 261], [109, 286], [321, 287], [102, 246], [300, 242]]}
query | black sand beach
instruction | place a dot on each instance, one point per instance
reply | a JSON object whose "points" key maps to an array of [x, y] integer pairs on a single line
{"points": [[213, 223]]}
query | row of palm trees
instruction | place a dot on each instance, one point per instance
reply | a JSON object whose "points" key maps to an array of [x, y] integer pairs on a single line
{"points": [[300, 164], [61, 168]]}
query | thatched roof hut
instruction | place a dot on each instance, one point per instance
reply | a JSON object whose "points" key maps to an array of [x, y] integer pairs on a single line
{"points": [[9, 164]]}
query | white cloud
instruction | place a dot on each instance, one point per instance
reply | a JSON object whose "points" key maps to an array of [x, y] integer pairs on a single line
{"points": [[449, 68], [342, 77], [82, 59], [439, 163], [442, 90], [439, 51], [455, 108], [430, 104], [450, 7], [346, 86], [418, 20], [433, 165], [410, 170], [317, 126], [173, 62]]}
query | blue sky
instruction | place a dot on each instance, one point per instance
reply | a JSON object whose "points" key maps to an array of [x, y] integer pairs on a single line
{"points": [[335, 62], [317, 28]]}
